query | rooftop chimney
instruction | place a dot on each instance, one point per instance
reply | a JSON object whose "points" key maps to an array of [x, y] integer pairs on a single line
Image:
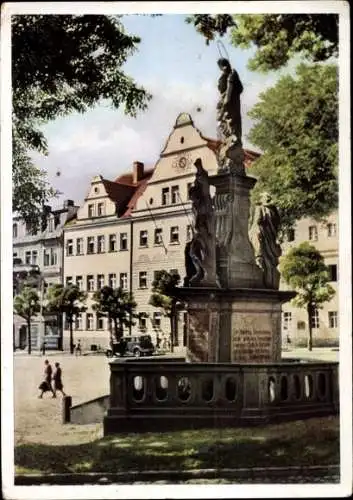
{"points": [[137, 171], [68, 203]]}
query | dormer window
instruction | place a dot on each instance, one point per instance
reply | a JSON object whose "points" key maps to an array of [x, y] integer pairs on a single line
{"points": [[91, 210], [100, 209], [51, 224]]}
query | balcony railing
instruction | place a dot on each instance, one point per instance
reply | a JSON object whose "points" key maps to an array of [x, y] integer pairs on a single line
{"points": [[153, 395]]}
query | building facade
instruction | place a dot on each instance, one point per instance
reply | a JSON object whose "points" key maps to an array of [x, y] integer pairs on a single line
{"points": [[129, 229], [295, 328], [42, 250]]}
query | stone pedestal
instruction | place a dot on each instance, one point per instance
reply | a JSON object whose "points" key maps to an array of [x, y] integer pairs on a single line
{"points": [[234, 325], [235, 255]]}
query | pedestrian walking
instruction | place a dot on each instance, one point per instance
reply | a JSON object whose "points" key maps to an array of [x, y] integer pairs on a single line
{"points": [[43, 346], [57, 379], [78, 348], [45, 386]]}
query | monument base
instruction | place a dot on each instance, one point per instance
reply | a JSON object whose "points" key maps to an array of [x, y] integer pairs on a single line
{"points": [[238, 325]]}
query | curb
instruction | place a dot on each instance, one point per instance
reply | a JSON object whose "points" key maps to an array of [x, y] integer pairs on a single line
{"points": [[295, 474]]}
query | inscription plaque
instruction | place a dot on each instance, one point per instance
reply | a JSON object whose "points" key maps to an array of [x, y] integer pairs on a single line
{"points": [[252, 345]]}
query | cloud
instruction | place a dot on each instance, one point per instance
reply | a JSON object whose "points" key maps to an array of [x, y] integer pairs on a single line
{"points": [[105, 141]]}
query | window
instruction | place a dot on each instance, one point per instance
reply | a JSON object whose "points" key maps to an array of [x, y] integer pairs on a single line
{"points": [[156, 275], [331, 230], [143, 238], [174, 234], [332, 272], [112, 280], [78, 321], [100, 281], [142, 321], [287, 320], [46, 257], [90, 244], [314, 318], [28, 257], [165, 196], [79, 282], [158, 240], [14, 230], [53, 257], [332, 319], [100, 244], [175, 194], [89, 321], [69, 247], [51, 225], [34, 257], [68, 280], [157, 319], [90, 283], [91, 210], [142, 279], [79, 246], [313, 233], [112, 243], [123, 281], [100, 209], [290, 235], [188, 187], [123, 241], [188, 233], [100, 322]]}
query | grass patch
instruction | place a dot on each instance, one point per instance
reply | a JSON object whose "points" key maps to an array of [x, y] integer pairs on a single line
{"points": [[309, 442]]}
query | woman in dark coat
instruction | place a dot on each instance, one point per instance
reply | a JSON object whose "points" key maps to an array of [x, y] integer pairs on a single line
{"points": [[58, 384], [45, 386]]}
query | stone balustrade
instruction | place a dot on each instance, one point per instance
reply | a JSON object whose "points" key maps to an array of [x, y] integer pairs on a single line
{"points": [[146, 395]]}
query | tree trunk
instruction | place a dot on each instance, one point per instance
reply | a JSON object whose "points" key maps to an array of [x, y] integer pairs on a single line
{"points": [[29, 336], [71, 336], [171, 331], [116, 330], [310, 338]]}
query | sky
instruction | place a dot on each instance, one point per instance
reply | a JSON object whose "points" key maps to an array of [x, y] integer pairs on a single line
{"points": [[176, 66]]}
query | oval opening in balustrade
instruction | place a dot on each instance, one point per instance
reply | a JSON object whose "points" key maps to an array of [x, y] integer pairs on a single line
{"points": [[271, 389], [308, 386], [321, 385], [207, 390], [138, 388], [284, 388], [231, 389], [297, 387], [184, 388], [161, 388]]}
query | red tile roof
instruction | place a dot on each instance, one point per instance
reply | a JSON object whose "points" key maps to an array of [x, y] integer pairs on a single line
{"points": [[140, 188]]}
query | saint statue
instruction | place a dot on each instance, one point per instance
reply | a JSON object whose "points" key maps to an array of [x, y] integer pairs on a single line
{"points": [[231, 156], [263, 236], [202, 248]]}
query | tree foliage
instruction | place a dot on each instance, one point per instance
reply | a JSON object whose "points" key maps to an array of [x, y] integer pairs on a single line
{"points": [[296, 126], [68, 300], [118, 306], [304, 270], [276, 37], [27, 305], [63, 64], [163, 296]]}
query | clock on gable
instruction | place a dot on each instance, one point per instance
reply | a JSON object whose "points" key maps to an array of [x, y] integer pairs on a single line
{"points": [[182, 162]]}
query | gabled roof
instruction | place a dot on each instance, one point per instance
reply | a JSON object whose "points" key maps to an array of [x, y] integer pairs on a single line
{"points": [[139, 190]]}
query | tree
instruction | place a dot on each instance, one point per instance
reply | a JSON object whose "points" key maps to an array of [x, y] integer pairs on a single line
{"points": [[164, 297], [68, 300], [303, 269], [52, 79], [118, 305], [277, 37], [296, 126], [27, 305]]}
